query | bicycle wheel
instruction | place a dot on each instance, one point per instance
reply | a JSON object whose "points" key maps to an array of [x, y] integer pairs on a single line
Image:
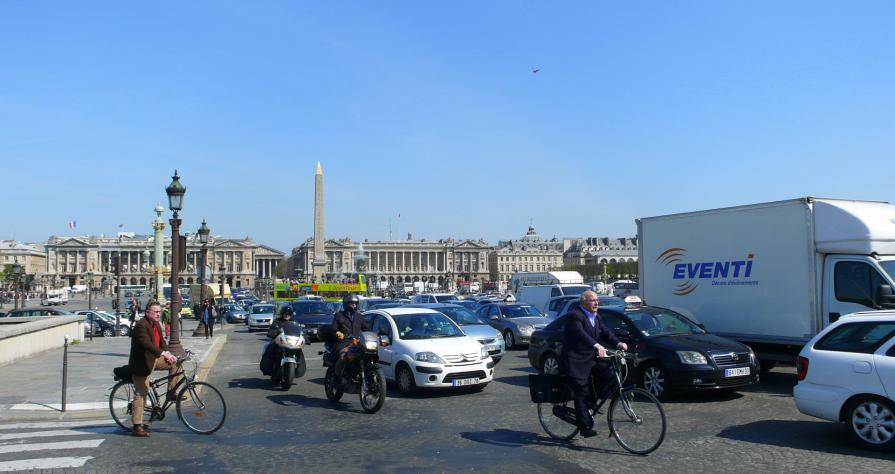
{"points": [[558, 419], [121, 401], [637, 421], [201, 407]]}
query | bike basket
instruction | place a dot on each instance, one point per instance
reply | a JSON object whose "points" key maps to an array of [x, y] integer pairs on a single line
{"points": [[122, 373], [548, 389]]}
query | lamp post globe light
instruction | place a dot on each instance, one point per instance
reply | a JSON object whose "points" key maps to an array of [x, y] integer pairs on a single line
{"points": [[175, 192], [203, 238]]}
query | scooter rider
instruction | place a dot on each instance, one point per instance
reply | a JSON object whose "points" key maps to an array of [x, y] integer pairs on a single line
{"points": [[348, 324], [275, 327]]}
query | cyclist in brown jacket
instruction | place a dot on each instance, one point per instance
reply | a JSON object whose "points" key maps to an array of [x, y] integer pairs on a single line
{"points": [[149, 351]]}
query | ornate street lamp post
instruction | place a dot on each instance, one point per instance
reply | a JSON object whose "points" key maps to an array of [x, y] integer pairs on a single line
{"points": [[203, 238], [175, 192], [17, 276]]}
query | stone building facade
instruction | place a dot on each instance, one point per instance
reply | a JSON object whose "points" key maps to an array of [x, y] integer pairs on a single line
{"points": [[443, 263], [242, 260], [595, 250], [527, 254]]}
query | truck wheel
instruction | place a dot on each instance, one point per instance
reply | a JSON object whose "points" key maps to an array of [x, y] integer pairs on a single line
{"points": [[653, 379]]}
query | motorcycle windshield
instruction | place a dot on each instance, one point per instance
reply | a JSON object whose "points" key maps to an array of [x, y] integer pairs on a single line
{"points": [[291, 328]]}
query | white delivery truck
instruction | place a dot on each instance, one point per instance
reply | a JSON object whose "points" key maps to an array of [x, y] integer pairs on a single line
{"points": [[770, 275], [521, 279]]}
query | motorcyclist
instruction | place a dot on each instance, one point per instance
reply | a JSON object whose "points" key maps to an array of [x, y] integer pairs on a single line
{"points": [[348, 325], [273, 331]]}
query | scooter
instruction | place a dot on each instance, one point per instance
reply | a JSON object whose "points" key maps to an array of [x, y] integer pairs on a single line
{"points": [[290, 343]]}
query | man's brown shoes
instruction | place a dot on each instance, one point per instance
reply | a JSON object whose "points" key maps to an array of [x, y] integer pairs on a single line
{"points": [[139, 432]]}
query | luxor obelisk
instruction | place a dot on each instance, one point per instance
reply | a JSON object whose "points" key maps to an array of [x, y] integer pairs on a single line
{"points": [[319, 263]]}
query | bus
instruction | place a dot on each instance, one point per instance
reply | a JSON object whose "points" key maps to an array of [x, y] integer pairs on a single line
{"points": [[291, 291], [133, 289]]}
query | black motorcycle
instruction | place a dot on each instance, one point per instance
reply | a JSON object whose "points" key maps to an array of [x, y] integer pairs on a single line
{"points": [[360, 373], [287, 361]]}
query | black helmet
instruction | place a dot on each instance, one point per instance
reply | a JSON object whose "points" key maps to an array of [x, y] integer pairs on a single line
{"points": [[287, 311], [349, 298]]}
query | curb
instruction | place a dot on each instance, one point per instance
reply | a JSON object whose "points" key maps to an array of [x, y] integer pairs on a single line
{"points": [[210, 359]]}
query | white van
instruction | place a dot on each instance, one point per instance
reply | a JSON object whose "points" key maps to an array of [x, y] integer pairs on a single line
{"points": [[539, 295], [55, 297]]}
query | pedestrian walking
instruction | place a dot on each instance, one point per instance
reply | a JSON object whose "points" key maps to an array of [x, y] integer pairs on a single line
{"points": [[208, 315]]}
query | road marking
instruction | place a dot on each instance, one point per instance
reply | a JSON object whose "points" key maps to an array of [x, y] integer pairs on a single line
{"points": [[56, 424], [18, 448], [58, 406], [49, 434], [43, 463]]}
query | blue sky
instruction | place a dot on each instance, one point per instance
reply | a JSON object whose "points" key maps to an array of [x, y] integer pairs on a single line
{"points": [[431, 110]]}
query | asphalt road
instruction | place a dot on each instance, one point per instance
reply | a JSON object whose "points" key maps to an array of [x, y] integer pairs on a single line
{"points": [[494, 430]]}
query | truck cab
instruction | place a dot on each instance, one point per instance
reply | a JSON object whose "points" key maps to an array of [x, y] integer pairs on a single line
{"points": [[857, 283]]}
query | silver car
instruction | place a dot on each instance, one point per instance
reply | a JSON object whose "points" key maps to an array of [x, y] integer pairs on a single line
{"points": [[234, 313], [515, 321], [472, 326], [260, 316]]}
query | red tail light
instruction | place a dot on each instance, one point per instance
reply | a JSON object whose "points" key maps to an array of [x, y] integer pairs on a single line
{"points": [[802, 368]]}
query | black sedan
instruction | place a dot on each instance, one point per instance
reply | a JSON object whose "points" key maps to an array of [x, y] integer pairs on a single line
{"points": [[671, 353], [311, 315]]}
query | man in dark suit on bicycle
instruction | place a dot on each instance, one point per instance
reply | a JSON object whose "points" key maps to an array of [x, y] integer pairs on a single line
{"points": [[585, 338], [149, 351]]}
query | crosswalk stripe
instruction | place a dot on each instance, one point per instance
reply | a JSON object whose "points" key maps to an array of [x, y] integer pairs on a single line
{"points": [[55, 424], [17, 448], [43, 463], [49, 434]]}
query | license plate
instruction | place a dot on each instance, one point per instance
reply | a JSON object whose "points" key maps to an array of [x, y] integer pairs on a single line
{"points": [[738, 372], [463, 382], [490, 348]]}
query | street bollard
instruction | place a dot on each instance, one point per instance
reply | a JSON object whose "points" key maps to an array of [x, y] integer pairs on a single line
{"points": [[64, 372]]}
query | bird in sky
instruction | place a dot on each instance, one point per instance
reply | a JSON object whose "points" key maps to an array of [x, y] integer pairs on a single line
{"points": [[535, 70]]}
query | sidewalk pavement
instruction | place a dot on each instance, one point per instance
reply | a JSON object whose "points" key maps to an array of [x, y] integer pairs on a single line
{"points": [[32, 388]]}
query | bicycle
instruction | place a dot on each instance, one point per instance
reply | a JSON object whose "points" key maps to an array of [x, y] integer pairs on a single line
{"points": [[200, 405], [636, 418]]}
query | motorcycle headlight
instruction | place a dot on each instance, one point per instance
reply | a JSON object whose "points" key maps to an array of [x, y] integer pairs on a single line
{"points": [[371, 345], [430, 357], [692, 357], [294, 342]]}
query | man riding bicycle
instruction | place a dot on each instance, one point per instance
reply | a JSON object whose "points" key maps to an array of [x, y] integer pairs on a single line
{"points": [[585, 338]]}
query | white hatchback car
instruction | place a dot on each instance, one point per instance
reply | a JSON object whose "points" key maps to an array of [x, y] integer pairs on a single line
{"points": [[847, 374], [426, 349]]}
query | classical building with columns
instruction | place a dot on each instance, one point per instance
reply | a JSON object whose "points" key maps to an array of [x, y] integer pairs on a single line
{"points": [[242, 260], [444, 263], [596, 250], [527, 254], [32, 258]]}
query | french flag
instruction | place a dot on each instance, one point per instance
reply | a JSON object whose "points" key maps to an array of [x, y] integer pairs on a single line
{"points": [[72, 224]]}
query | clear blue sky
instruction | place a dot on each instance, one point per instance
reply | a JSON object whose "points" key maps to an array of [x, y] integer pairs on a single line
{"points": [[431, 110]]}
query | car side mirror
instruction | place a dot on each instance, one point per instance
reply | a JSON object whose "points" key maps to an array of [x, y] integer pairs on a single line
{"points": [[384, 340], [885, 296]]}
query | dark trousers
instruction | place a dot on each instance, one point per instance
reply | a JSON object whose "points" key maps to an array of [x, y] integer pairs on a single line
{"points": [[209, 328], [582, 395]]}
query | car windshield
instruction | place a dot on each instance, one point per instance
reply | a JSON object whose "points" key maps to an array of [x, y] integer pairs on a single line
{"points": [[461, 316], [291, 328], [313, 307], [889, 267], [426, 326], [520, 311], [105, 316], [262, 309], [574, 290], [443, 298], [612, 301], [662, 322]]}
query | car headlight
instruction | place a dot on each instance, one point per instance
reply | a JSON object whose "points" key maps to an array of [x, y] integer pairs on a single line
{"points": [[484, 353], [751, 354], [526, 328], [691, 357], [430, 357]]}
